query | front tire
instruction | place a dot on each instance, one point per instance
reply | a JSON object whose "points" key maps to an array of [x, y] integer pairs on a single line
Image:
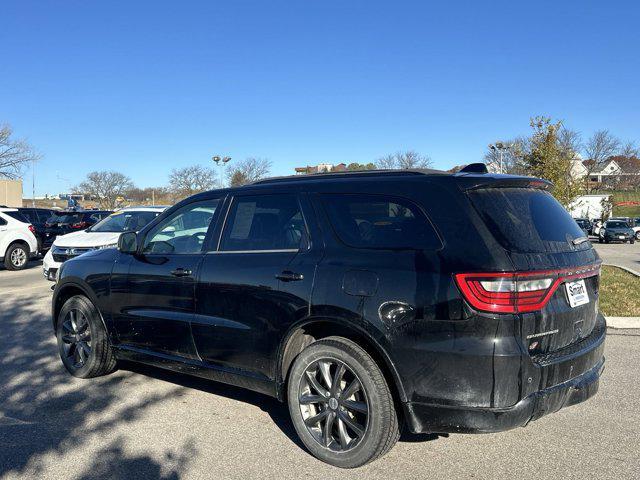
{"points": [[82, 339], [17, 257], [340, 403]]}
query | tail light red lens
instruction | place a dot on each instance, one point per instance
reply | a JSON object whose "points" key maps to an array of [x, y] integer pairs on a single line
{"points": [[32, 229], [80, 225], [517, 292]]}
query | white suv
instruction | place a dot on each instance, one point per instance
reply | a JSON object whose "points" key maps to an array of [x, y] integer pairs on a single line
{"points": [[17, 240], [104, 234]]}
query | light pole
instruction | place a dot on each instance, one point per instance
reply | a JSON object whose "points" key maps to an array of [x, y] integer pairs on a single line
{"points": [[221, 162], [500, 148]]}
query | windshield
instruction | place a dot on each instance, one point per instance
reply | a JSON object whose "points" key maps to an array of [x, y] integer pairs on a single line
{"points": [[616, 225], [124, 222]]}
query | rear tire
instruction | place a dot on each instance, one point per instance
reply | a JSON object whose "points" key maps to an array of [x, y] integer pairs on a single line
{"points": [[638, 235], [345, 419], [16, 257], [83, 344]]}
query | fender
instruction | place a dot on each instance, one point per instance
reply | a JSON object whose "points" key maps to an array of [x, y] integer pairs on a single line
{"points": [[349, 325], [75, 283]]}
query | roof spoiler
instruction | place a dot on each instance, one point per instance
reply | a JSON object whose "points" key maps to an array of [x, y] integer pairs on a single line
{"points": [[475, 182]]}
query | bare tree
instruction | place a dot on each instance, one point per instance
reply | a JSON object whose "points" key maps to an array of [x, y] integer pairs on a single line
{"points": [[407, 160], [14, 154], [570, 142], [187, 181], [248, 170], [600, 146], [629, 150], [108, 188]]}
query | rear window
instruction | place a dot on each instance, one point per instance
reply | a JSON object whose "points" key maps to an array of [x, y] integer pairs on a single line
{"points": [[380, 222], [527, 220], [18, 216]]}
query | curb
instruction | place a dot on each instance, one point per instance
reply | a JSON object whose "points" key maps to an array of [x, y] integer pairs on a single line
{"points": [[627, 269], [623, 322]]}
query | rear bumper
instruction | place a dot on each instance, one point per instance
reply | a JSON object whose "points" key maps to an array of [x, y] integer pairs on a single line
{"points": [[547, 384], [440, 419]]}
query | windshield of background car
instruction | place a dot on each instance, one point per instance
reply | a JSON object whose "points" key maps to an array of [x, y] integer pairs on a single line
{"points": [[124, 222], [616, 225], [527, 220]]}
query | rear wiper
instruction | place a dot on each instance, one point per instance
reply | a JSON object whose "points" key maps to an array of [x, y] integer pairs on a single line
{"points": [[579, 240]]}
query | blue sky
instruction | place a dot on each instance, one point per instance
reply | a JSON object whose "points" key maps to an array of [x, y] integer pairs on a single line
{"points": [[143, 87]]}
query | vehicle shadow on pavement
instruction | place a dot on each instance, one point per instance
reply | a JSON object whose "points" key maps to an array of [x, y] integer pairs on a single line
{"points": [[47, 417]]}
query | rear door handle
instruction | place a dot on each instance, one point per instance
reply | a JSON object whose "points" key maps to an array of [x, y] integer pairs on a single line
{"points": [[180, 272], [288, 276]]}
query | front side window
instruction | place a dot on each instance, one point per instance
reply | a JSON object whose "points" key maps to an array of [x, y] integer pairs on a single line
{"points": [[182, 232], [380, 222], [264, 222]]}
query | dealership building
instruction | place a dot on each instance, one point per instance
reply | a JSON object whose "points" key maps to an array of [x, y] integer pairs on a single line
{"points": [[10, 192]]}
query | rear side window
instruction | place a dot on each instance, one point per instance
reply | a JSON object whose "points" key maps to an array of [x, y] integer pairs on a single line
{"points": [[264, 222], [380, 222], [18, 216], [527, 220]]}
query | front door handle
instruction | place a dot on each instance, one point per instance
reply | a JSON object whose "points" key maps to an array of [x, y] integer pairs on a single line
{"points": [[180, 272], [288, 276]]}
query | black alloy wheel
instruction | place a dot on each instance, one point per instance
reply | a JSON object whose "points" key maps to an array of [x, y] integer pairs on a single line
{"points": [[83, 344], [340, 403]]}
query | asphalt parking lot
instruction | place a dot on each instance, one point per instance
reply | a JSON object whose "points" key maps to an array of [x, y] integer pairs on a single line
{"points": [[624, 255], [145, 424]]}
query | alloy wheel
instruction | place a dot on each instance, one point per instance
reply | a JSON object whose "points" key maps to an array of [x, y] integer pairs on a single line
{"points": [[333, 404], [76, 338], [18, 257]]}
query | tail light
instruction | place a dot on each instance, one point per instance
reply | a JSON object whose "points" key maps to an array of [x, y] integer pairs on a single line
{"points": [[517, 292], [32, 229], [80, 225]]}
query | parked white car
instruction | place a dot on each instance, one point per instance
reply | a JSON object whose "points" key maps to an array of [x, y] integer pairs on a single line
{"points": [[17, 240], [104, 234]]}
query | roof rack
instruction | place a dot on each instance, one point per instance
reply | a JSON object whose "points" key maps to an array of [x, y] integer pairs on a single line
{"points": [[356, 173]]}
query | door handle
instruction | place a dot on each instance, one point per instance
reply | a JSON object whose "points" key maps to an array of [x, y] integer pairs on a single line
{"points": [[288, 276], [180, 272]]}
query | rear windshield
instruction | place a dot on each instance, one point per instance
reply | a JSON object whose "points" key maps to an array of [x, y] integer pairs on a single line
{"points": [[527, 220], [65, 218], [18, 216], [380, 222]]}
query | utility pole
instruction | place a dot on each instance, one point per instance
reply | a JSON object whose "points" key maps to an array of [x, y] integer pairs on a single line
{"points": [[500, 148], [221, 162], [33, 183]]}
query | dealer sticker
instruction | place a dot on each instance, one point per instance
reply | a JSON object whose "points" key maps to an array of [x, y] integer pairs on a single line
{"points": [[577, 293]]}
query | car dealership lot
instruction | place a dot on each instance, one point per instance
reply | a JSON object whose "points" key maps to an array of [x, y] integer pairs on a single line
{"points": [[149, 423]]}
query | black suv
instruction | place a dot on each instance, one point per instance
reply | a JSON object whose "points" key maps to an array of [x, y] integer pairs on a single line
{"points": [[38, 218], [448, 303], [61, 223]]}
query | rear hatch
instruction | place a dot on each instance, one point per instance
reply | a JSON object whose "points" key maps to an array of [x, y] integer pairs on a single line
{"points": [[554, 287]]}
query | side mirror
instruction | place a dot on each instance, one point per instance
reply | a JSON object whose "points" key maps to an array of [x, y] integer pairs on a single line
{"points": [[128, 242]]}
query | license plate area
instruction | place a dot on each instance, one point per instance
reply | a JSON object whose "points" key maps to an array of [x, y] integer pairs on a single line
{"points": [[577, 293]]}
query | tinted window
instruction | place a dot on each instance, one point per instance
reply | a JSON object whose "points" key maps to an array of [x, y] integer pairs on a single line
{"points": [[18, 216], [66, 218], [264, 222], [3, 222], [527, 220], [182, 232], [376, 221]]}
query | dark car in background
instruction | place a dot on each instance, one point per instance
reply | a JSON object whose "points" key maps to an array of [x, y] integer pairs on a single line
{"points": [[585, 225], [616, 231], [61, 223], [460, 302], [38, 218]]}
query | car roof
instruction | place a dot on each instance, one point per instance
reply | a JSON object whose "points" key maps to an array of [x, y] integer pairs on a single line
{"points": [[8, 209]]}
